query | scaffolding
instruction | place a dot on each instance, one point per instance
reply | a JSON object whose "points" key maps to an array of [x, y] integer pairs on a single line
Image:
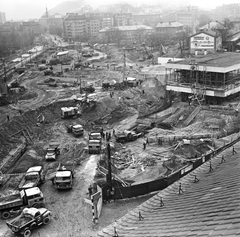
{"points": [[198, 90]]}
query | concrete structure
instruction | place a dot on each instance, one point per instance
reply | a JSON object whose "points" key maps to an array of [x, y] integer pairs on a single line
{"points": [[2, 18], [211, 78], [232, 43], [169, 29], [204, 42]]}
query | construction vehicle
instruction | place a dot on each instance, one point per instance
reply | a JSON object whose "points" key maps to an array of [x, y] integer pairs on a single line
{"points": [[33, 178], [127, 136], [64, 176], [70, 112], [76, 129], [29, 219], [94, 143], [88, 88], [31, 197], [53, 151]]}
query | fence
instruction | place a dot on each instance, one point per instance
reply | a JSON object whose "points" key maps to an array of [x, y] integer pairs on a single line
{"points": [[160, 184]]}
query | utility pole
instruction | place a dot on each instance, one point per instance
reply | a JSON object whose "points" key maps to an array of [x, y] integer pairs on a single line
{"points": [[124, 63], [109, 175]]}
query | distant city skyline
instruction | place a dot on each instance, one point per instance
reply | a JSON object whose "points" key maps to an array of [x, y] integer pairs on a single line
{"points": [[29, 9]]}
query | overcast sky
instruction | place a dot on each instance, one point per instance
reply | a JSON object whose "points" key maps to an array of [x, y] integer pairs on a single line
{"points": [[28, 9]]}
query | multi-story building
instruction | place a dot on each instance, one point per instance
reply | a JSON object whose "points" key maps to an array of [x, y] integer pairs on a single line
{"points": [[169, 29], [32, 27], [2, 18], [188, 18], [208, 78], [122, 19], [125, 33], [146, 19]]}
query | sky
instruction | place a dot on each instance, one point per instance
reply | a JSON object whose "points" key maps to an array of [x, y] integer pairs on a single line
{"points": [[30, 9]]}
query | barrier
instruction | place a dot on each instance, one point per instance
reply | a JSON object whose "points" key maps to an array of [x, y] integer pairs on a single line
{"points": [[160, 184]]}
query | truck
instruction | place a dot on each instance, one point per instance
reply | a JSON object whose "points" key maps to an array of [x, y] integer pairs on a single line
{"points": [[127, 136], [31, 197], [53, 151], [64, 176], [70, 112], [29, 219], [94, 143], [33, 178], [76, 129]]}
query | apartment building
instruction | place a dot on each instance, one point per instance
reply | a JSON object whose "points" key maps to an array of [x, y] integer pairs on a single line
{"points": [[169, 29], [2, 18], [88, 25]]}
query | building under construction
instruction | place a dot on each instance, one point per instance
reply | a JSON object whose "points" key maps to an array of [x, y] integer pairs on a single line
{"points": [[207, 79]]}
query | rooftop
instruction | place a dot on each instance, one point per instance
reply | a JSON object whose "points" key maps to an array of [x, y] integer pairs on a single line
{"points": [[168, 24], [209, 207], [127, 28], [218, 62]]}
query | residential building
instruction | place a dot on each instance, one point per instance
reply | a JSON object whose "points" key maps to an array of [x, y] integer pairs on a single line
{"points": [[169, 29], [32, 27], [214, 26], [122, 19], [205, 41], [2, 18], [125, 33], [208, 78], [146, 19], [188, 18]]}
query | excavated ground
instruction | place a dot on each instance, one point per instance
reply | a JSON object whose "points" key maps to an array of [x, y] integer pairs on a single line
{"points": [[71, 214]]}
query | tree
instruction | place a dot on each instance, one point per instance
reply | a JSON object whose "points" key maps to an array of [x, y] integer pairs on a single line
{"points": [[139, 36], [228, 26], [182, 38]]}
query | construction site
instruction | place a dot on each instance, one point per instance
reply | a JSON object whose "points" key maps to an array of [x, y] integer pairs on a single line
{"points": [[151, 125]]}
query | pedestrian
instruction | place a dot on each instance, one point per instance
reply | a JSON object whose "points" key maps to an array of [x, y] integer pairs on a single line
{"points": [[234, 152], [20, 111], [143, 92], [8, 118], [108, 195], [90, 191], [113, 132], [147, 142], [144, 145]]}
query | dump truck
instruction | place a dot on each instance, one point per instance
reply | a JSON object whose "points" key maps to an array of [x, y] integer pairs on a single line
{"points": [[31, 197], [33, 178], [29, 219], [94, 143], [127, 136], [76, 129], [53, 151], [64, 176], [70, 112]]}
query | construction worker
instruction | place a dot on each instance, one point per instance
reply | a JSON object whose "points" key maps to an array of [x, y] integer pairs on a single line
{"points": [[144, 145]]}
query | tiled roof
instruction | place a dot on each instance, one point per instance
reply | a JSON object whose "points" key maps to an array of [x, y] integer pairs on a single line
{"points": [[213, 25], [209, 207], [168, 24]]}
